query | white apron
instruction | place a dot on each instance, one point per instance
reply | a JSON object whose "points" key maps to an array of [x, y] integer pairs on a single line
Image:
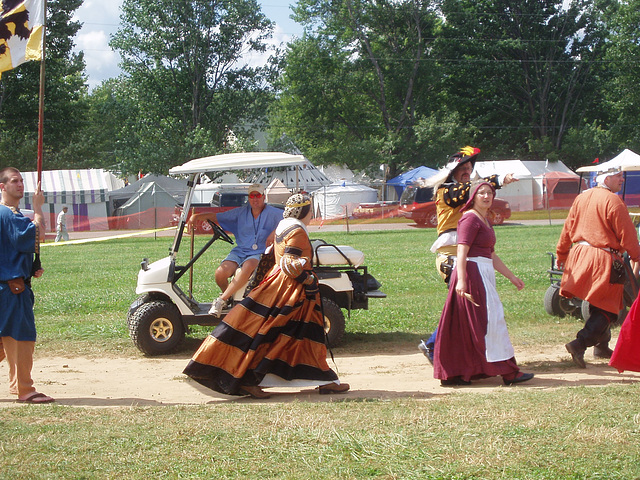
{"points": [[497, 342]]}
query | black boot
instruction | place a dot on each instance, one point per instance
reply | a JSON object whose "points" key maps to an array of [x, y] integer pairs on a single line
{"points": [[602, 350]]}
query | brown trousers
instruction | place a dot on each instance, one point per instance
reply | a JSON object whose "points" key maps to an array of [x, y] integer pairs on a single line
{"points": [[19, 355]]}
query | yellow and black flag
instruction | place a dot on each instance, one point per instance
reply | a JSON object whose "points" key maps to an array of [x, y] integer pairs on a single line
{"points": [[21, 32]]}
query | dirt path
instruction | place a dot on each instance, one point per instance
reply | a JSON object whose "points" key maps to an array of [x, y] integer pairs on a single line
{"points": [[118, 382]]}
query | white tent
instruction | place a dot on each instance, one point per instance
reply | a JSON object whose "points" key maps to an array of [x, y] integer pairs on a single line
{"points": [[626, 160], [340, 198], [276, 192], [519, 194], [85, 192], [337, 173], [528, 192]]}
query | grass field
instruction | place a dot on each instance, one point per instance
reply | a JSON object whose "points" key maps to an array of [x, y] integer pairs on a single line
{"points": [[566, 433]]}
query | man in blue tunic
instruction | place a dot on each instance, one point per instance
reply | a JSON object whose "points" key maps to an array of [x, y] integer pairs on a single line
{"points": [[19, 237], [253, 227]]}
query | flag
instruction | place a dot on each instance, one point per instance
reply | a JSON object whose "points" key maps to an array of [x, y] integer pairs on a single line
{"points": [[21, 32]]}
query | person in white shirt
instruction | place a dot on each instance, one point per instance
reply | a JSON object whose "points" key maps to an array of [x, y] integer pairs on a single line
{"points": [[61, 225]]}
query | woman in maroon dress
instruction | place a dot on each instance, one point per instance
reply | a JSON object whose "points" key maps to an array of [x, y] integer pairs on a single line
{"points": [[472, 340]]}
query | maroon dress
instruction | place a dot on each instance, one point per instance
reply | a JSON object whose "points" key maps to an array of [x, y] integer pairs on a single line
{"points": [[460, 349]]}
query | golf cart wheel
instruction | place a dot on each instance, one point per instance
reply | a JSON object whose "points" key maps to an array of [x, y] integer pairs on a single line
{"points": [[498, 219], [622, 314], [584, 310], [156, 328], [334, 322], [552, 302], [432, 220]]}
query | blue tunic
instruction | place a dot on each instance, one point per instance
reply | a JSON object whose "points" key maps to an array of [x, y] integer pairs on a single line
{"points": [[248, 230], [17, 246]]}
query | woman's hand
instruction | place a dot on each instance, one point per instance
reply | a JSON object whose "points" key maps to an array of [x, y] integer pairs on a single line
{"points": [[517, 282], [461, 286]]}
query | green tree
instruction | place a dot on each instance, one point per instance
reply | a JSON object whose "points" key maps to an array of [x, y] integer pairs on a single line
{"points": [[621, 94], [356, 84], [524, 72], [184, 67], [63, 108]]}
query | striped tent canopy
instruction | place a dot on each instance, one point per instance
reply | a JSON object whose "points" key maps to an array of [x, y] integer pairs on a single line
{"points": [[72, 186]]}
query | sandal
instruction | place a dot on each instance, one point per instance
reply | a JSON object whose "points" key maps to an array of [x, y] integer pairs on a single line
{"points": [[254, 392], [333, 388], [37, 397]]}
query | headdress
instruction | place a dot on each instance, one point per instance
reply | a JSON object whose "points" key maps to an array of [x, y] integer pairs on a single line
{"points": [[475, 186], [294, 207], [445, 174], [602, 175]]}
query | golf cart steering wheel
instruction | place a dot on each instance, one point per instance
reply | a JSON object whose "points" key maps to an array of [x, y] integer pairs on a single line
{"points": [[217, 230]]}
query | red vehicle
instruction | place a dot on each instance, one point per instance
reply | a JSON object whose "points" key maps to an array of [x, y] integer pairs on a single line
{"points": [[416, 203], [220, 202]]}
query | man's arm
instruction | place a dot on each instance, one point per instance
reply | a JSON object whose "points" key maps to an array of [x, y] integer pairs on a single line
{"points": [[38, 216], [457, 194], [201, 217]]}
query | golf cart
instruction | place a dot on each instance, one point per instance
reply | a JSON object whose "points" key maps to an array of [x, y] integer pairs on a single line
{"points": [[159, 318]]}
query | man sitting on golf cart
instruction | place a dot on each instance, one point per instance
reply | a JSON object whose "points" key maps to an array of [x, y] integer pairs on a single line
{"points": [[253, 226]]}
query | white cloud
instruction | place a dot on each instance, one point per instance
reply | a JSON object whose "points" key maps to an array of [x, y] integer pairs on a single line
{"points": [[99, 57]]}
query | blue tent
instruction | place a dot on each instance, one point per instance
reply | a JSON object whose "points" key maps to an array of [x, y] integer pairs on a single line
{"points": [[400, 182]]}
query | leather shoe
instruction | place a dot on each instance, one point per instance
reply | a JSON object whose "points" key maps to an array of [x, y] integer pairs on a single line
{"points": [[577, 353], [333, 387], [454, 381], [523, 377], [254, 392], [602, 352]]}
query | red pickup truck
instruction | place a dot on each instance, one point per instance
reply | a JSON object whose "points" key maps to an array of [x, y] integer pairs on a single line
{"points": [[220, 202]]}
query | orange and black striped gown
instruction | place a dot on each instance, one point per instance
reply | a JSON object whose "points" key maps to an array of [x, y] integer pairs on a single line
{"points": [[277, 330]]}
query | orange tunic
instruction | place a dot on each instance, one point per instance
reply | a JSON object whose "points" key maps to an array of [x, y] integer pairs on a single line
{"points": [[600, 218]]}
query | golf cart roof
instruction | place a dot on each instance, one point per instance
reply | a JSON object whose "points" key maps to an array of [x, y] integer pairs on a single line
{"points": [[238, 161]]}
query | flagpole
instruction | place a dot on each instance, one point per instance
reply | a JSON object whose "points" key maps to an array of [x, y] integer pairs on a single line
{"points": [[41, 96], [37, 264]]}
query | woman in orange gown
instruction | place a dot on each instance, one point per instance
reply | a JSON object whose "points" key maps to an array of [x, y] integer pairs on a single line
{"points": [[275, 336]]}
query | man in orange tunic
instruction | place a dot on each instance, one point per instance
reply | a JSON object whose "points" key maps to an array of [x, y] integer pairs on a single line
{"points": [[600, 229]]}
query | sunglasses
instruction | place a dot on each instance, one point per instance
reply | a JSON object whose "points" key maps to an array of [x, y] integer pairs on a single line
{"points": [[255, 195]]}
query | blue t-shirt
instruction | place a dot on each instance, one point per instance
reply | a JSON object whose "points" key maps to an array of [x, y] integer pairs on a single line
{"points": [[248, 230], [17, 246]]}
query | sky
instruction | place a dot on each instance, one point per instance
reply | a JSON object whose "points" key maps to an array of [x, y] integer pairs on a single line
{"points": [[100, 19]]}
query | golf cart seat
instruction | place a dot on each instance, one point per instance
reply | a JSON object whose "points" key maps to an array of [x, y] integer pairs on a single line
{"points": [[327, 254]]}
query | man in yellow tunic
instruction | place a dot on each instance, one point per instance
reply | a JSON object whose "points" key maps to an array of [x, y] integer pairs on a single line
{"points": [[451, 191], [600, 229]]}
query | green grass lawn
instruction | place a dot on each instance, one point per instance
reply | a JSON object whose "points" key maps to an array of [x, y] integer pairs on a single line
{"points": [[562, 433]]}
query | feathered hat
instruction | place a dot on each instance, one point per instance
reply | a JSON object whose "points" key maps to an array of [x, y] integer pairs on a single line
{"points": [[445, 174]]}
